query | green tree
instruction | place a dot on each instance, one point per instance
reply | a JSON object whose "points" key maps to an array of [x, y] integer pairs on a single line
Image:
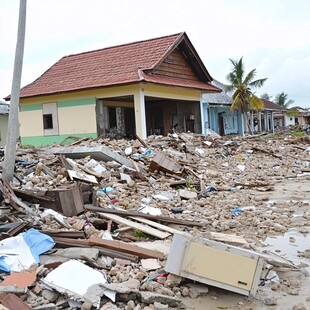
{"points": [[266, 96], [241, 84], [282, 100]]}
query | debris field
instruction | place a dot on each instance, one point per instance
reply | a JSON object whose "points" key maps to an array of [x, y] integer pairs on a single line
{"points": [[89, 223]]}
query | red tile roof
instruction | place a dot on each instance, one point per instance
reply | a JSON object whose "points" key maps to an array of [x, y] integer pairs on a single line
{"points": [[111, 66], [269, 105], [166, 80]]}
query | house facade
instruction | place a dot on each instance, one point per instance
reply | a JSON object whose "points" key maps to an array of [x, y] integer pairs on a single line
{"points": [[297, 116], [269, 119], [218, 115], [142, 88], [4, 119]]}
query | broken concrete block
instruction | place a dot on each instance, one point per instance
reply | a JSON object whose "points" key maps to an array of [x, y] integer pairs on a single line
{"points": [[173, 280], [183, 193], [74, 279], [110, 306], [50, 295], [150, 298], [197, 289], [270, 301]]}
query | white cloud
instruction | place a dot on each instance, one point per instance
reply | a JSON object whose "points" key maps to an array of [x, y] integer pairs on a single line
{"points": [[272, 36]]}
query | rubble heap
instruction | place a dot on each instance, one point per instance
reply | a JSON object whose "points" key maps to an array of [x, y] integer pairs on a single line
{"points": [[99, 215]]}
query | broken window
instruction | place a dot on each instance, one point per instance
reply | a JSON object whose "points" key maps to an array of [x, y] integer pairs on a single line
{"points": [[112, 117], [48, 121]]}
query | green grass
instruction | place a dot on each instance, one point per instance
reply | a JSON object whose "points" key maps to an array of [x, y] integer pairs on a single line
{"points": [[297, 133]]}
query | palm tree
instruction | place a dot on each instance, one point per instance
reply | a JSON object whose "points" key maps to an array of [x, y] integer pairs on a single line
{"points": [[282, 100], [266, 96], [241, 85]]}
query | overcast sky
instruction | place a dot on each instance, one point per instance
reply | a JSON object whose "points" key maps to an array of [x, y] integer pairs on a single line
{"points": [[273, 36]]}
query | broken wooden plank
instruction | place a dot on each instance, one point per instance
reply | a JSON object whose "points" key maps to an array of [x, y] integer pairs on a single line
{"points": [[141, 141], [11, 301], [158, 218], [9, 194], [157, 225], [267, 152], [69, 242], [125, 247], [146, 229]]}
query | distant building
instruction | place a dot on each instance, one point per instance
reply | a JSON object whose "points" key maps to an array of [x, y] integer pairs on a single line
{"points": [[4, 119], [298, 116]]}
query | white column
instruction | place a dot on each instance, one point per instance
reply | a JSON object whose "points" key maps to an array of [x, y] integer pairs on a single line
{"points": [[139, 104], [252, 121], [272, 121], [202, 117], [266, 121], [259, 116]]}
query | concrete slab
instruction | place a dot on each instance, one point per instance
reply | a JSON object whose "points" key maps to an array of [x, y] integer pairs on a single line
{"points": [[97, 152]]}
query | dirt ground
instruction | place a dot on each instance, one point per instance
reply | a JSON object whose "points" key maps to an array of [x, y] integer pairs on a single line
{"points": [[293, 291]]}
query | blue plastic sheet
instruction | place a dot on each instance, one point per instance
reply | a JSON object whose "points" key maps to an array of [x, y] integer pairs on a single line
{"points": [[22, 251], [38, 243]]}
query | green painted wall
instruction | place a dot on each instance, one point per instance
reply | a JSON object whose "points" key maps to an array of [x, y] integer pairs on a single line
{"points": [[49, 140], [57, 139], [31, 107], [76, 102]]}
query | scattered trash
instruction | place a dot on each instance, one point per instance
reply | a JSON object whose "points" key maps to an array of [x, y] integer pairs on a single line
{"points": [[23, 251]]}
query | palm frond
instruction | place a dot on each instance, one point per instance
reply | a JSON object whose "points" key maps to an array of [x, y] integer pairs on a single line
{"points": [[255, 102], [257, 83], [250, 76]]}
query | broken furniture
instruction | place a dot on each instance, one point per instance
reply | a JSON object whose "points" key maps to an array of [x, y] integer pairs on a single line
{"points": [[161, 162], [68, 201], [215, 263]]}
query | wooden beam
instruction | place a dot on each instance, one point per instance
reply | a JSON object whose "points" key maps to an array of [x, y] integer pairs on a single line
{"points": [[146, 229], [126, 247], [157, 225], [158, 218]]}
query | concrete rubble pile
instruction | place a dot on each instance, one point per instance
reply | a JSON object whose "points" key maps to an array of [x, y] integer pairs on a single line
{"points": [[97, 217]]}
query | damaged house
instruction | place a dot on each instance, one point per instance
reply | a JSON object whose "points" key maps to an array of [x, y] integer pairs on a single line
{"points": [[141, 88]]}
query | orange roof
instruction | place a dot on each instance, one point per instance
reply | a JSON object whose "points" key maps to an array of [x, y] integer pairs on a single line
{"points": [[118, 65]]}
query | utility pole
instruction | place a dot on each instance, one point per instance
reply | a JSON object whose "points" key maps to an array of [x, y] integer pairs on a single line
{"points": [[13, 125]]}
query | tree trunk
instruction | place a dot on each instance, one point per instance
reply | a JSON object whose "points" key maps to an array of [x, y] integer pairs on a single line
{"points": [[246, 123]]}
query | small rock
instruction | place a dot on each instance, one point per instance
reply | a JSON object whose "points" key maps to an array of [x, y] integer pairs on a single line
{"points": [[50, 295], [185, 291], [159, 306], [173, 280], [293, 291], [114, 271], [109, 306], [183, 193], [270, 301], [197, 289], [299, 307], [130, 305]]}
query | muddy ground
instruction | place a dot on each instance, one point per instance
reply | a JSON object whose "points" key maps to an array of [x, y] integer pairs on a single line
{"points": [[293, 289]]}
